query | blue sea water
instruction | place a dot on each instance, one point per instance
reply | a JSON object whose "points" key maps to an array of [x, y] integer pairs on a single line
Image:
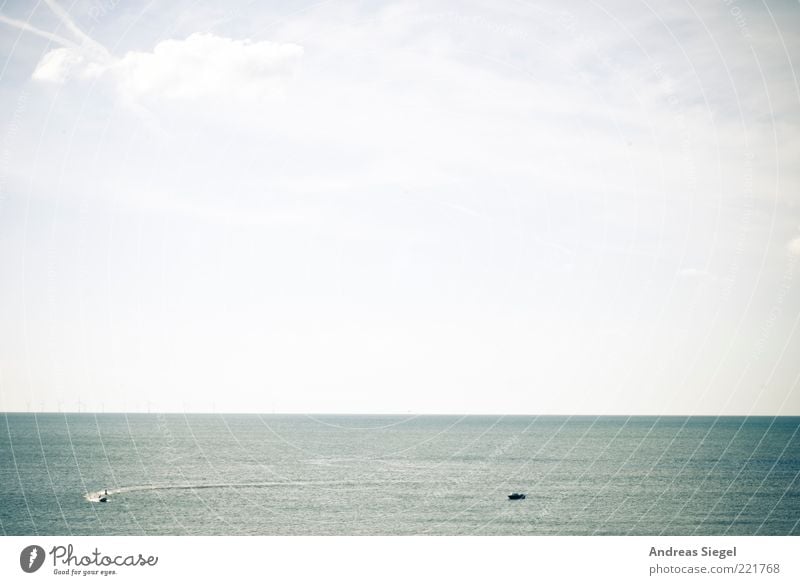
{"points": [[334, 474]]}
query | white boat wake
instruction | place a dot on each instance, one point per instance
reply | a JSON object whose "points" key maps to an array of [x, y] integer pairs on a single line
{"points": [[95, 496], [107, 493]]}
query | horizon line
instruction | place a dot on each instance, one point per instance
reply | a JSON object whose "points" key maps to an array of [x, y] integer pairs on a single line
{"points": [[399, 414]]}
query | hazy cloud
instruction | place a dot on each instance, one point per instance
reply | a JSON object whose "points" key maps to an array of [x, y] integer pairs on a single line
{"points": [[203, 65], [206, 65], [59, 65]]}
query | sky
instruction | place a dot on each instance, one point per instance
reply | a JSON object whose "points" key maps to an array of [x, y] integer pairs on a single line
{"points": [[400, 207]]}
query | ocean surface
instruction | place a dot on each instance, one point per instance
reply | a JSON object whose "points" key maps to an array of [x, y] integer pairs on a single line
{"points": [[385, 475]]}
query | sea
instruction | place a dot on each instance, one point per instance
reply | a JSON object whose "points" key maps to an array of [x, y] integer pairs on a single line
{"points": [[250, 474]]}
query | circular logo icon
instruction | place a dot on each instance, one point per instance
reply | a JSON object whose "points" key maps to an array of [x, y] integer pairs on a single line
{"points": [[31, 558]]}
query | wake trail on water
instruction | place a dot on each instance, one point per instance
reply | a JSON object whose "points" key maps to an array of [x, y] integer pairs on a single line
{"points": [[95, 496]]}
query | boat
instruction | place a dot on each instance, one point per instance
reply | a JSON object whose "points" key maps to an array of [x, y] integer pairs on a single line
{"points": [[516, 496], [104, 499]]}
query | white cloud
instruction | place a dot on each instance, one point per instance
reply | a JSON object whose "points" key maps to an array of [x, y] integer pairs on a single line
{"points": [[205, 65], [201, 66], [794, 246], [64, 63]]}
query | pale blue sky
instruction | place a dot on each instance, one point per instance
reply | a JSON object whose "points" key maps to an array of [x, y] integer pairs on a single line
{"points": [[467, 207]]}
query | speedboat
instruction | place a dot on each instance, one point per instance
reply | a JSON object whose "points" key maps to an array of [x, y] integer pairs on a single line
{"points": [[516, 496]]}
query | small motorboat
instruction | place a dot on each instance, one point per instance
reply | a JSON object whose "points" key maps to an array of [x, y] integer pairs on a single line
{"points": [[516, 496]]}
